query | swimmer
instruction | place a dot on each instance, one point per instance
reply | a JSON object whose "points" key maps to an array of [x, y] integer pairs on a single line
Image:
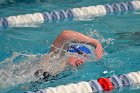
{"points": [[64, 41]]}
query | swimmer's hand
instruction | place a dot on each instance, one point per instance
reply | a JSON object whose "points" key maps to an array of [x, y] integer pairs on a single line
{"points": [[74, 61], [79, 62], [99, 50]]}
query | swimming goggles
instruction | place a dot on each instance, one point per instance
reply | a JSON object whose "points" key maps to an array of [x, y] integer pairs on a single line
{"points": [[80, 49]]}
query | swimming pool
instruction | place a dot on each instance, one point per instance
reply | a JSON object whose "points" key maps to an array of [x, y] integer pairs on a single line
{"points": [[23, 42]]}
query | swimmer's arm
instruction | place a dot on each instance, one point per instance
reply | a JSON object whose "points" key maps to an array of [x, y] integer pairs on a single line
{"points": [[46, 58], [63, 65], [71, 36]]}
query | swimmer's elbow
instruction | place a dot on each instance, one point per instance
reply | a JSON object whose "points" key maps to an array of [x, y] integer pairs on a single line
{"points": [[66, 34]]}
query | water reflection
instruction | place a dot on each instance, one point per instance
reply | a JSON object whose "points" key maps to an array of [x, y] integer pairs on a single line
{"points": [[129, 38]]}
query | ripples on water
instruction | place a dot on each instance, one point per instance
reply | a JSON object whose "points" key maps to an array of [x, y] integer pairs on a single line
{"points": [[8, 2]]}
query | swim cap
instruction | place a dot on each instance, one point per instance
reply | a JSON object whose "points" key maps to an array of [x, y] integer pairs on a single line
{"points": [[80, 49]]}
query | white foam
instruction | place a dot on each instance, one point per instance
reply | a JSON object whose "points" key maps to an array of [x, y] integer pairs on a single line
{"points": [[17, 73]]}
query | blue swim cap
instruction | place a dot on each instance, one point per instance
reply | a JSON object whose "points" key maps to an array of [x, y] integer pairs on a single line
{"points": [[78, 49]]}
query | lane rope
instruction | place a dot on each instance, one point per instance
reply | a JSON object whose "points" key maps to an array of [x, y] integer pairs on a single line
{"points": [[101, 84], [99, 10]]}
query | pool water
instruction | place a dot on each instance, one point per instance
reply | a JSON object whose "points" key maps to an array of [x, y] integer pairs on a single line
{"points": [[25, 44]]}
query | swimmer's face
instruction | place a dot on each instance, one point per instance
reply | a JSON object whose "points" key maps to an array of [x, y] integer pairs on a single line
{"points": [[75, 61]]}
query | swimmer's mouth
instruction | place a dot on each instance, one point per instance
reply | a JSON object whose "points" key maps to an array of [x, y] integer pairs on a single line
{"points": [[46, 76], [41, 75]]}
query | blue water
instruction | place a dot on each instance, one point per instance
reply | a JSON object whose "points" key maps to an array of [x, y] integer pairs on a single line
{"points": [[121, 56]]}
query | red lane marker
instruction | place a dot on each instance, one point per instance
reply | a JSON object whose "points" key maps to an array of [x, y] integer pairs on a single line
{"points": [[105, 83]]}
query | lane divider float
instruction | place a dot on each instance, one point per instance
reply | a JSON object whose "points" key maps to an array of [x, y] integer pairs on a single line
{"points": [[98, 10], [105, 83], [92, 86]]}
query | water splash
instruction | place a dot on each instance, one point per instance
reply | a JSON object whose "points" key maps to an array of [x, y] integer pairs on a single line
{"points": [[17, 73], [13, 73], [95, 34]]}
